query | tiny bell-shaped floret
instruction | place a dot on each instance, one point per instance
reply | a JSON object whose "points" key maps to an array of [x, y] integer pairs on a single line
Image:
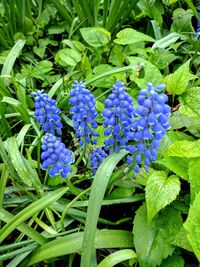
{"points": [[83, 113], [56, 157], [46, 112]]}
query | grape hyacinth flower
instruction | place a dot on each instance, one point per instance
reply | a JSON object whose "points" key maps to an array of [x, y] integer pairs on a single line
{"points": [[84, 113], [96, 158], [46, 112], [196, 34], [118, 116], [150, 125], [56, 156]]}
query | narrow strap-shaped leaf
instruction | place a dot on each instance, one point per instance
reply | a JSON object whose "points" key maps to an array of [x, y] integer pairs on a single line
{"points": [[117, 257], [30, 210], [12, 56], [5, 216], [98, 189], [72, 243]]}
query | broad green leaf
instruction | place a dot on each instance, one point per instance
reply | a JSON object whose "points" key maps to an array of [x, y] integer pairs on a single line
{"points": [[177, 82], [172, 137], [173, 261], [194, 177], [153, 9], [117, 257], [162, 59], [160, 192], [182, 241], [176, 164], [130, 36], [72, 244], [95, 36], [192, 226], [30, 210], [67, 57], [151, 73], [167, 40], [182, 21], [97, 192], [154, 241], [190, 101], [41, 68], [187, 149]]}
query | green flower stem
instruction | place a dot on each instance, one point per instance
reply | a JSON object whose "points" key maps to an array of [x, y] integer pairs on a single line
{"points": [[69, 205]]}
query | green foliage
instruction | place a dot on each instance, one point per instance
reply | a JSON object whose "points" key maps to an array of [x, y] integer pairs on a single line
{"points": [[160, 192], [192, 226], [178, 81], [154, 241]]}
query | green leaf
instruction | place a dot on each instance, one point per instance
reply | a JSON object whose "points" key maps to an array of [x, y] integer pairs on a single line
{"points": [[130, 36], [182, 21], [117, 257], [160, 192], [11, 58], [67, 57], [97, 192], [194, 177], [167, 40], [177, 82], [18, 106], [5, 216], [95, 36], [30, 210], [72, 243], [18, 161], [151, 73], [190, 101], [182, 241], [178, 165], [173, 261], [187, 149], [154, 241], [192, 226]]}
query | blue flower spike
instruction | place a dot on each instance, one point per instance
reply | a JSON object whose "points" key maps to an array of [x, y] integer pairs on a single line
{"points": [[46, 112], [96, 158], [83, 113], [118, 116], [150, 125], [56, 157]]}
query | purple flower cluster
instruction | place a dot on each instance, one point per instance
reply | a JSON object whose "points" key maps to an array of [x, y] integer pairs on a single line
{"points": [[150, 125], [56, 156], [118, 116], [84, 113], [96, 158], [196, 34], [46, 112]]}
